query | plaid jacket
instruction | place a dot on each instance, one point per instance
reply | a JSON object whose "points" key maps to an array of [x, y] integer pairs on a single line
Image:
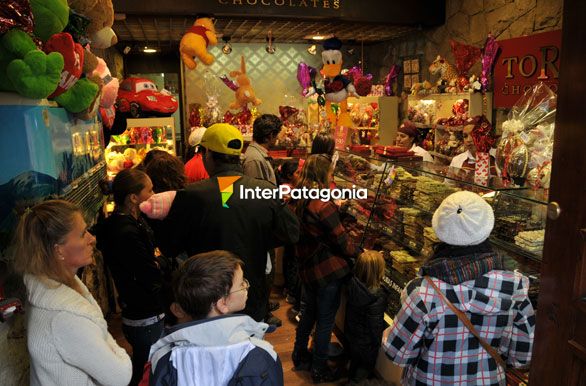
{"points": [[324, 249], [437, 349]]}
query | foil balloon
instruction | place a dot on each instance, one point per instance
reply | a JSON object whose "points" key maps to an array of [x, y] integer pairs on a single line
{"points": [[390, 79], [490, 50]]}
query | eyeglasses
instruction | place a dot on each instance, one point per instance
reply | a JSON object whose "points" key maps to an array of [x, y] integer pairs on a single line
{"points": [[245, 287]]}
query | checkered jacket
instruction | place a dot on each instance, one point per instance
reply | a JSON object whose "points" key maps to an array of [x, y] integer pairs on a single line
{"points": [[325, 250], [435, 347]]}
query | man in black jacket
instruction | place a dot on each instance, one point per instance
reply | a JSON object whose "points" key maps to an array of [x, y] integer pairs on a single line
{"points": [[211, 215]]}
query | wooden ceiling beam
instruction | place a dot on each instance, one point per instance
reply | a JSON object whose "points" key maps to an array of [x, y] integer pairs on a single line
{"points": [[249, 30]]}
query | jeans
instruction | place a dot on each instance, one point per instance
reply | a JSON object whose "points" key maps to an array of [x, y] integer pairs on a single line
{"points": [[321, 305], [141, 339]]}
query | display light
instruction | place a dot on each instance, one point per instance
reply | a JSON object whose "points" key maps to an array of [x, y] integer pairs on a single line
{"points": [[227, 47]]}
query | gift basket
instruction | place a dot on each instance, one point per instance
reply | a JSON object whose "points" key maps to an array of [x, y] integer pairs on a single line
{"points": [[525, 150]]}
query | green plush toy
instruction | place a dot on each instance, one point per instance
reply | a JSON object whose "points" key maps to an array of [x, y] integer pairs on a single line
{"points": [[25, 69], [79, 97], [51, 17], [30, 72]]}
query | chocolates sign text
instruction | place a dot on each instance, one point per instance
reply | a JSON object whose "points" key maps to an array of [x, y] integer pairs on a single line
{"points": [[522, 63], [326, 4]]}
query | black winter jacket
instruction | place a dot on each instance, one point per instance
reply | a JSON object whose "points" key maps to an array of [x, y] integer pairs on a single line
{"points": [[364, 323], [248, 228], [129, 253]]}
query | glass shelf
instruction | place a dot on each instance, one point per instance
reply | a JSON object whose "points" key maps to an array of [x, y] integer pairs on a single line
{"points": [[460, 176]]}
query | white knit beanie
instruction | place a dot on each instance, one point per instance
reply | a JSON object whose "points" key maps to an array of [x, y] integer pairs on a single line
{"points": [[463, 218]]}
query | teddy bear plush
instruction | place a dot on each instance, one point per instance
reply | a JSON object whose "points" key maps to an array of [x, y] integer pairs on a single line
{"points": [[100, 13], [195, 42]]}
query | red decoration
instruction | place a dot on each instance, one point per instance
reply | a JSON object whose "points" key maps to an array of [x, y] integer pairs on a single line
{"points": [[195, 116], [73, 57], [16, 14], [465, 56], [482, 134], [243, 117]]}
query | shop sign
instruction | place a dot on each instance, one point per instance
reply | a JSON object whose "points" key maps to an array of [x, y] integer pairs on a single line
{"points": [[424, 13], [524, 61]]}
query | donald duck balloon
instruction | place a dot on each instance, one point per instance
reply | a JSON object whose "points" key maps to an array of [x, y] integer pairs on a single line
{"points": [[337, 86]]}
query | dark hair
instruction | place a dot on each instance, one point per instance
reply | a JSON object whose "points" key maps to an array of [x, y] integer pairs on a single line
{"points": [[264, 126], [224, 158], [323, 143], [167, 172], [204, 279], [128, 181], [150, 157], [286, 171]]}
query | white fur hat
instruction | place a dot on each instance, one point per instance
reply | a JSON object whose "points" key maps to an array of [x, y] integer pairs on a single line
{"points": [[196, 135], [463, 218]]}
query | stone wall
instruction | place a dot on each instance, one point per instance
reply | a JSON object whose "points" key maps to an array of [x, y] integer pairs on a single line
{"points": [[468, 21]]}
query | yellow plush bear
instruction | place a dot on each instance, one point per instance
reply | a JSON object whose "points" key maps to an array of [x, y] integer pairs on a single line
{"points": [[195, 42]]}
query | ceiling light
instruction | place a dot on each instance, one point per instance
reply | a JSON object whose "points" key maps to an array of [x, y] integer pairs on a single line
{"points": [[148, 50], [227, 47], [318, 36], [312, 49]]}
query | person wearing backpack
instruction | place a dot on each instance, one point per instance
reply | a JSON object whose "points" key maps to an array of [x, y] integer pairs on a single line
{"points": [[210, 346]]}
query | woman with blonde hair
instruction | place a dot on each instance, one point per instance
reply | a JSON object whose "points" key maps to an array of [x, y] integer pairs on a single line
{"points": [[68, 339], [325, 253], [365, 307]]}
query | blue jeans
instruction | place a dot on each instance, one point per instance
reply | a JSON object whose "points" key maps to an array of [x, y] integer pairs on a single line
{"points": [[141, 339], [321, 305]]}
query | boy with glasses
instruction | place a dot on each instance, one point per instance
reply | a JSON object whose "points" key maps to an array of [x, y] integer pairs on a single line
{"points": [[209, 346]]}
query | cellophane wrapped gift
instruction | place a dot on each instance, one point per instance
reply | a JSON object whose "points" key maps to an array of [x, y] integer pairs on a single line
{"points": [[526, 146]]}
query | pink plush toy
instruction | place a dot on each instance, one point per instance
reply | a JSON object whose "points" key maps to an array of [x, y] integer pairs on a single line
{"points": [[111, 84], [158, 205]]}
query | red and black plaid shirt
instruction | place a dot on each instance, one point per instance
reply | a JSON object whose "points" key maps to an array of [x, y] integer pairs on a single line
{"points": [[324, 249]]}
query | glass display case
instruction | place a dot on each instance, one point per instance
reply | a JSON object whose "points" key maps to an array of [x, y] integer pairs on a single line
{"points": [[141, 136], [397, 219]]}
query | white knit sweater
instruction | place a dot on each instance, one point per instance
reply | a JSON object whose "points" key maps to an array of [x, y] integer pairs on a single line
{"points": [[68, 339]]}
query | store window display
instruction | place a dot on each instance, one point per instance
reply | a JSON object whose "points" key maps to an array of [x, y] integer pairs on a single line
{"points": [[407, 137]]}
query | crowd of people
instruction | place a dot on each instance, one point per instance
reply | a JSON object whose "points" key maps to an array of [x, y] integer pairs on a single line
{"points": [[192, 265]]}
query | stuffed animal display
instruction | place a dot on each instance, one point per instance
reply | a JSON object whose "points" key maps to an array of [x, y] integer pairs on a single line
{"points": [[448, 76], [337, 86], [57, 71], [100, 13], [244, 91], [195, 42]]}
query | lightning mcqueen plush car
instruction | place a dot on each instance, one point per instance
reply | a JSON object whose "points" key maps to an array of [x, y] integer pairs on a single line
{"points": [[140, 97]]}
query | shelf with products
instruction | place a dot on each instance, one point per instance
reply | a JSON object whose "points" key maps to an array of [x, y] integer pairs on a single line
{"points": [[142, 135], [446, 115], [399, 222]]}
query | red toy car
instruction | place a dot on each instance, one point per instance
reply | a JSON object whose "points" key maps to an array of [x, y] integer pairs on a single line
{"points": [[140, 97]]}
